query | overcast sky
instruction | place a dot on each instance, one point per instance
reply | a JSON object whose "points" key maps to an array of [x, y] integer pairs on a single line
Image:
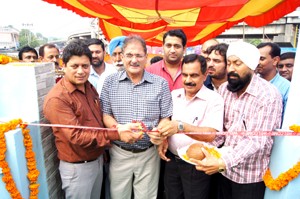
{"points": [[47, 19]]}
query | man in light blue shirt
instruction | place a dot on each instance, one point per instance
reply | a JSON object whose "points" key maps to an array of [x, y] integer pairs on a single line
{"points": [[267, 68], [99, 70]]}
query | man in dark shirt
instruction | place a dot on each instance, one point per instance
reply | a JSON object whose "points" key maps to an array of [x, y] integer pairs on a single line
{"points": [[74, 101]]}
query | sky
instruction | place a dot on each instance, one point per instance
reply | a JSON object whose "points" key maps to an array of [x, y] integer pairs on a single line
{"points": [[47, 19]]}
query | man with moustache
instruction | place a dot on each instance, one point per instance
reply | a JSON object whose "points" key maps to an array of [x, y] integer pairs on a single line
{"points": [[99, 70], [216, 66], [251, 104], [174, 46], [135, 94], [115, 51], [74, 101], [50, 53], [195, 109]]}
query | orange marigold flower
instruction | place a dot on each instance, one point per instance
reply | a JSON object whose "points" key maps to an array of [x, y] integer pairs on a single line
{"points": [[29, 154]]}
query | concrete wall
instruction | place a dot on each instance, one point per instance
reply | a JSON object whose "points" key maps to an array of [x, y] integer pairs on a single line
{"points": [[23, 88]]}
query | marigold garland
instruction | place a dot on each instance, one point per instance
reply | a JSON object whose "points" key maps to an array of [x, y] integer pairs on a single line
{"points": [[295, 128], [5, 59], [33, 173], [284, 178]]}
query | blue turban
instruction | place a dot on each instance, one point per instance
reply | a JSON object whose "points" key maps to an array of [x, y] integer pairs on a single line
{"points": [[114, 43]]}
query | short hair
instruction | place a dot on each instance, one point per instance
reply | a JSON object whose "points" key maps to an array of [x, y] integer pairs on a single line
{"points": [[76, 48], [288, 55], [155, 59], [129, 39], [95, 41], [176, 33], [191, 58], [42, 49], [275, 49], [26, 49], [221, 49]]}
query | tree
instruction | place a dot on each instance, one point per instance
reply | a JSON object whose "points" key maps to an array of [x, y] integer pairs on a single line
{"points": [[26, 37]]}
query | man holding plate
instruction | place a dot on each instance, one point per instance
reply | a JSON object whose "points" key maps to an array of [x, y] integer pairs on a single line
{"points": [[251, 104], [195, 109]]}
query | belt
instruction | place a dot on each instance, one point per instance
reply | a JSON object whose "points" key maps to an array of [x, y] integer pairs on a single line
{"points": [[81, 162], [174, 157], [133, 150]]}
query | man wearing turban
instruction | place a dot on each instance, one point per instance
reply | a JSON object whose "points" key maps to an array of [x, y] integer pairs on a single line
{"points": [[251, 104], [115, 50]]}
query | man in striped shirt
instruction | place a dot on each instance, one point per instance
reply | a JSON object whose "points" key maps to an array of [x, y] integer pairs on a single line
{"points": [[251, 104]]}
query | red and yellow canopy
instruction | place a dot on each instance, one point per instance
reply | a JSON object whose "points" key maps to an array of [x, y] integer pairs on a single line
{"points": [[199, 19]]}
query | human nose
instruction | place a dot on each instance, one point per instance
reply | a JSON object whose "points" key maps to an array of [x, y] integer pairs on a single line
{"points": [[210, 62], [55, 59], [94, 54], [80, 70], [284, 68], [172, 49], [118, 57], [188, 79], [230, 68]]}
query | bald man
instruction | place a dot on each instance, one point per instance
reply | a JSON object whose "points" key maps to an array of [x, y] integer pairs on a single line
{"points": [[206, 45]]}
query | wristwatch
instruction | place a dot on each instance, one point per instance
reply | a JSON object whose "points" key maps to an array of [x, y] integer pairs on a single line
{"points": [[180, 126], [221, 166]]}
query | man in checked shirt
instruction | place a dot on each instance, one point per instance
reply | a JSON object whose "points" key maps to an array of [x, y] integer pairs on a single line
{"points": [[251, 104], [135, 94]]}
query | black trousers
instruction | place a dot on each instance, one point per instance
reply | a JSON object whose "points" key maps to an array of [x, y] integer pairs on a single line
{"points": [[183, 181], [232, 190]]}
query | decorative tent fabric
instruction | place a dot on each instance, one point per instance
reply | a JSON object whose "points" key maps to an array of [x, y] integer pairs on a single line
{"points": [[200, 20]]}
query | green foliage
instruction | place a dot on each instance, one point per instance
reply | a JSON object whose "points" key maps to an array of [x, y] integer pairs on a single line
{"points": [[26, 37], [255, 42]]}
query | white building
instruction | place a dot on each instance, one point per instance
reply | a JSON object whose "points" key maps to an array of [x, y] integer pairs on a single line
{"points": [[9, 38]]}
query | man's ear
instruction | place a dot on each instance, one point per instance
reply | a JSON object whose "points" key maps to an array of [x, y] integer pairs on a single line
{"points": [[276, 61]]}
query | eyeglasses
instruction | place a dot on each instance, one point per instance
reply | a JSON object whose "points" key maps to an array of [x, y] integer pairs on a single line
{"points": [[137, 56]]}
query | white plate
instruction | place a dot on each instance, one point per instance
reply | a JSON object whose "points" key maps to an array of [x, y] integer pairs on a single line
{"points": [[182, 151]]}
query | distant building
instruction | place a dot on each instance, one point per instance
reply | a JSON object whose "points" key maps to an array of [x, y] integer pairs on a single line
{"points": [[9, 38]]}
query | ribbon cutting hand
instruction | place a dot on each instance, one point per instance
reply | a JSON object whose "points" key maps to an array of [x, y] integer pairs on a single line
{"points": [[128, 133]]}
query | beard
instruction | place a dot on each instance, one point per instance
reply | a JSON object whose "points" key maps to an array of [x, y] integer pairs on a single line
{"points": [[239, 83], [98, 63]]}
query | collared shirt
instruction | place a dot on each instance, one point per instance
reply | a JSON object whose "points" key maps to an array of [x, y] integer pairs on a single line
{"points": [[208, 83], [98, 80], [206, 109], [257, 109], [283, 85], [148, 101], [160, 69], [67, 105]]}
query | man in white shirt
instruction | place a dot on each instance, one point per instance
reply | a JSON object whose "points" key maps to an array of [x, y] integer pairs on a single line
{"points": [[196, 109], [99, 70]]}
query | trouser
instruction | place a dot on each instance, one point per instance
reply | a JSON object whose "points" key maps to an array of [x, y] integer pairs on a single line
{"points": [[82, 180], [128, 170], [182, 180], [233, 190]]}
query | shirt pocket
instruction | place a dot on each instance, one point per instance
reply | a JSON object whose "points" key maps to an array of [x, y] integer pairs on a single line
{"points": [[152, 107]]}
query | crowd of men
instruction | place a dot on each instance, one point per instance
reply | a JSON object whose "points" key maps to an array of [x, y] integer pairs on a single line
{"points": [[228, 87]]}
